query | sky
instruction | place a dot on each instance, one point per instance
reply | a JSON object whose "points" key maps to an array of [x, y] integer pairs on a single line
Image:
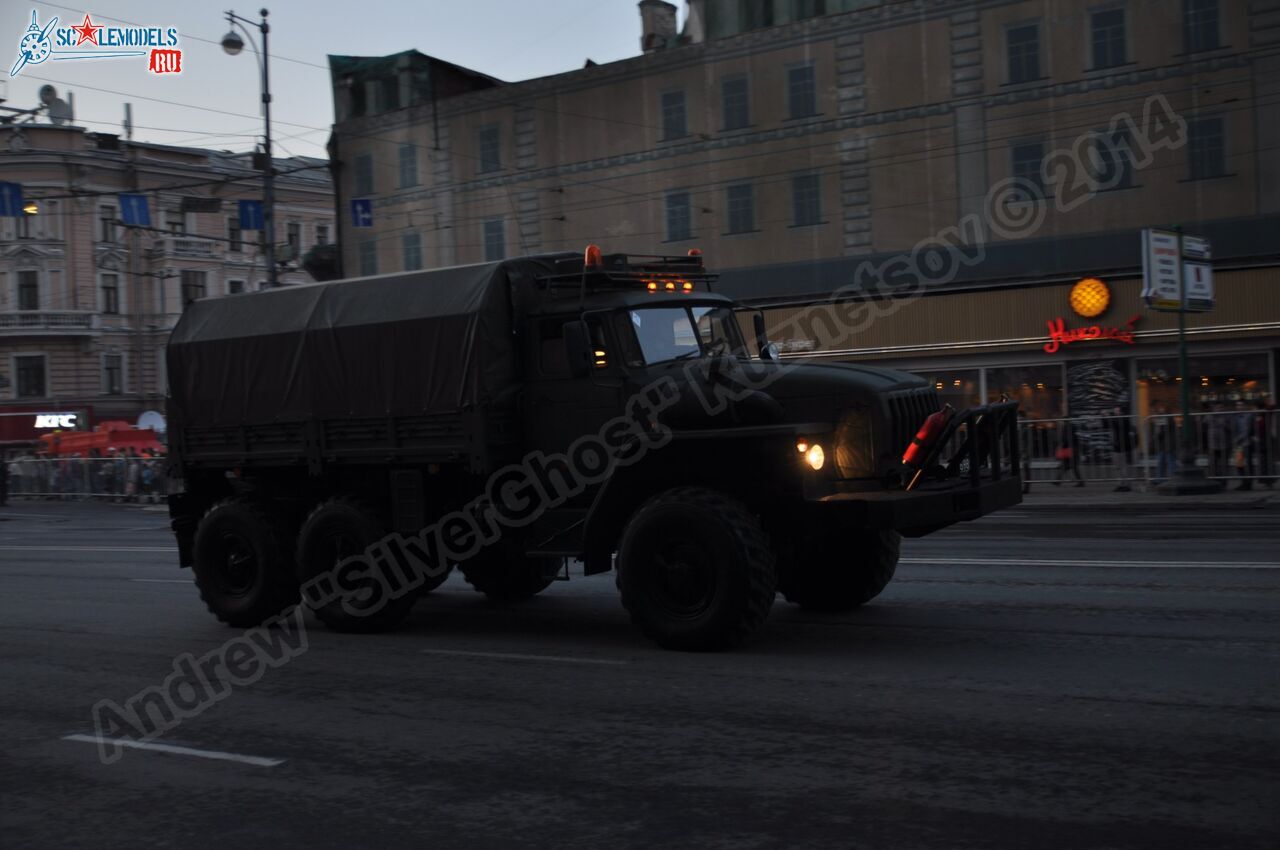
{"points": [[214, 102]]}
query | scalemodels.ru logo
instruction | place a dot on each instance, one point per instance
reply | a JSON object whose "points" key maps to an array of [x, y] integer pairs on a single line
{"points": [[96, 41]]}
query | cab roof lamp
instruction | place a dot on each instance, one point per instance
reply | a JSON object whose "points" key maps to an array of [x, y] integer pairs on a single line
{"points": [[671, 286], [593, 258], [652, 286], [695, 252]]}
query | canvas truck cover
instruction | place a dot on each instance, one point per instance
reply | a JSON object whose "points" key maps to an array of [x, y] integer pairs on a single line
{"points": [[416, 343]]}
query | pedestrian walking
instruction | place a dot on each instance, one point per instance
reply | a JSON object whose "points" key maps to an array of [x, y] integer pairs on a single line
{"points": [[1218, 440], [1265, 433], [1067, 453], [1122, 448], [1242, 444], [1162, 442]]}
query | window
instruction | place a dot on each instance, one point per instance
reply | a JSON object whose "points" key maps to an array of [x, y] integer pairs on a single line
{"points": [[322, 234], [175, 222], [193, 286], [1028, 158], [806, 200], [411, 243], [112, 374], [364, 175], [801, 91], [368, 257], [1201, 25], [1112, 160], [673, 119], [495, 240], [107, 223], [389, 93], [29, 371], [1207, 148], [235, 287], [28, 289], [490, 144], [740, 203], [235, 239], [408, 166], [111, 294], [553, 360], [679, 222], [737, 103], [802, 9], [293, 237], [756, 14], [22, 226], [1024, 53], [1037, 389], [1107, 29]]}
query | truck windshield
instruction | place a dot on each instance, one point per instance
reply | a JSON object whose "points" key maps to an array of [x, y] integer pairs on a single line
{"points": [[668, 333]]}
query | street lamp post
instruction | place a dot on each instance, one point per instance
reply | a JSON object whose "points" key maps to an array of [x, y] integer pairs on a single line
{"points": [[232, 43]]}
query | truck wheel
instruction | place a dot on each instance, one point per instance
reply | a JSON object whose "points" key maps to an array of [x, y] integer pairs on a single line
{"points": [[695, 570], [362, 601], [240, 564], [842, 571], [504, 573]]}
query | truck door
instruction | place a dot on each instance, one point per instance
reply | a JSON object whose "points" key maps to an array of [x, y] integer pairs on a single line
{"points": [[560, 408]]}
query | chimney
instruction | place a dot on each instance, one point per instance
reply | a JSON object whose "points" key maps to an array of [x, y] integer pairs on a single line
{"points": [[658, 25], [695, 23]]}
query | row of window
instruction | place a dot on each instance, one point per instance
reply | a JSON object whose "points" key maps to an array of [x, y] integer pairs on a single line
{"points": [[740, 207], [1111, 157], [193, 284], [178, 223], [31, 375], [1108, 39]]}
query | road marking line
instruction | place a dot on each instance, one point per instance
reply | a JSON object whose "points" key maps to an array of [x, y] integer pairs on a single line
{"points": [[257, 761], [1045, 562], [516, 656], [88, 549], [163, 580]]}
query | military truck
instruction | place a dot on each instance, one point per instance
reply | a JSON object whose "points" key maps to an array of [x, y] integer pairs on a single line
{"points": [[546, 411]]}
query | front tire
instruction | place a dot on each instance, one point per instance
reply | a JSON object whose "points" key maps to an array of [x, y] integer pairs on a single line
{"points": [[695, 570], [838, 572], [363, 600], [241, 564]]}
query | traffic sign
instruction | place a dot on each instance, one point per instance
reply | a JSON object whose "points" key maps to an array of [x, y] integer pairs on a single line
{"points": [[1161, 270], [134, 211], [251, 215], [11, 200], [1198, 279], [362, 212]]}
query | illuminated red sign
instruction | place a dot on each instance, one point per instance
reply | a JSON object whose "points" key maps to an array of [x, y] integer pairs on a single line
{"points": [[1060, 334]]}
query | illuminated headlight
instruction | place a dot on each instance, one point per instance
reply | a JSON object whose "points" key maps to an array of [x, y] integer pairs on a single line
{"points": [[812, 454]]}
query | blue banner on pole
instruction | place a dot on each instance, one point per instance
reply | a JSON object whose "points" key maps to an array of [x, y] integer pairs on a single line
{"points": [[251, 215], [134, 211], [11, 199], [362, 212]]}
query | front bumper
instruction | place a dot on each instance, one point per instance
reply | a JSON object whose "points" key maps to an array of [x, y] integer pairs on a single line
{"points": [[921, 511]]}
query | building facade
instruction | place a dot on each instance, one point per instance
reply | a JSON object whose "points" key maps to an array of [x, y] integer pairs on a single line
{"points": [[86, 304], [817, 147]]}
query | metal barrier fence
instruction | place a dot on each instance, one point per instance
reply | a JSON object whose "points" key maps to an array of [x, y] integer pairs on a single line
{"points": [[131, 479], [1240, 445]]}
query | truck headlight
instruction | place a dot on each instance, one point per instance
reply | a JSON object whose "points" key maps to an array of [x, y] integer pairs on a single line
{"points": [[812, 454]]}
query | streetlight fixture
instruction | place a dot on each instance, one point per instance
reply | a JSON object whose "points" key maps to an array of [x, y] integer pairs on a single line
{"points": [[232, 43]]}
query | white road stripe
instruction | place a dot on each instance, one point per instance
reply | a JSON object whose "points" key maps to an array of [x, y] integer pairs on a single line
{"points": [[163, 580], [257, 761], [1101, 562], [516, 656], [88, 549]]}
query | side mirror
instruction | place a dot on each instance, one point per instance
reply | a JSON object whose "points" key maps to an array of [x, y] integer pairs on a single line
{"points": [[768, 351], [577, 348]]}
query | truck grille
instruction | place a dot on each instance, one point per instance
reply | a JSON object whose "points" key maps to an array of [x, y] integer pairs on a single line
{"points": [[907, 411]]}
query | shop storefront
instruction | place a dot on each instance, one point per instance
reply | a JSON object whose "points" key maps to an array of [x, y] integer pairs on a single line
{"points": [[1100, 353]]}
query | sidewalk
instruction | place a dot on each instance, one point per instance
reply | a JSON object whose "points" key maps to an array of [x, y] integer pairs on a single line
{"points": [[1101, 496]]}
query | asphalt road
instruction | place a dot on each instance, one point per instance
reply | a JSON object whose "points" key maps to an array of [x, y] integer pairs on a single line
{"points": [[1034, 680]]}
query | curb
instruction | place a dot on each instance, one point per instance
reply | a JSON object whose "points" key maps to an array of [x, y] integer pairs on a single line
{"points": [[1150, 505]]}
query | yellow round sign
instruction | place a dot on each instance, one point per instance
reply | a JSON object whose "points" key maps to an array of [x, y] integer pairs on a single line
{"points": [[1090, 297]]}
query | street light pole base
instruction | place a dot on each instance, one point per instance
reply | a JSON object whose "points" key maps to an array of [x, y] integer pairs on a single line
{"points": [[1189, 482]]}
